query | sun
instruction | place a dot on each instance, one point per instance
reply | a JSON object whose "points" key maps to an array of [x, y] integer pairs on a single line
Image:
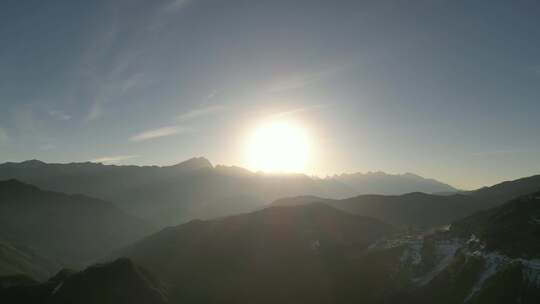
{"points": [[278, 147]]}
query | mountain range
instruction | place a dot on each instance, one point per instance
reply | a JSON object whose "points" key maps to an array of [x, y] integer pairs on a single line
{"points": [[229, 244], [318, 254], [425, 210], [197, 189], [314, 253]]}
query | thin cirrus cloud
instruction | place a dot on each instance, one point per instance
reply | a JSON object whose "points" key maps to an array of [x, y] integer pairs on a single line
{"points": [[166, 12], [157, 133], [302, 80], [112, 159], [114, 90], [117, 79], [4, 138], [176, 5], [298, 111], [173, 130], [497, 153], [47, 147], [196, 113], [59, 115]]}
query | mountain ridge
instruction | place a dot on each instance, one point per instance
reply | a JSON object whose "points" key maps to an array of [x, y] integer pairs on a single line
{"points": [[206, 191]]}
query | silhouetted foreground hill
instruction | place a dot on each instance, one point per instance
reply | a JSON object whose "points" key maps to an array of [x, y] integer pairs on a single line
{"points": [[505, 191], [196, 189], [492, 257], [513, 228], [413, 209], [70, 229], [119, 282], [302, 254], [313, 253]]}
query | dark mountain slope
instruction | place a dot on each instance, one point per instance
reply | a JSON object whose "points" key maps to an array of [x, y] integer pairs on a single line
{"points": [[505, 191], [71, 229], [416, 209], [119, 282], [276, 255], [490, 257], [513, 228], [413, 209]]}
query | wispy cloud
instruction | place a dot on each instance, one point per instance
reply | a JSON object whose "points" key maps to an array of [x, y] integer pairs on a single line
{"points": [[95, 112], [212, 95], [157, 133], [112, 159], [113, 91], [47, 147], [135, 80], [176, 5], [200, 112], [295, 111], [110, 82], [4, 138], [497, 153], [59, 115], [536, 69], [166, 12], [302, 80]]}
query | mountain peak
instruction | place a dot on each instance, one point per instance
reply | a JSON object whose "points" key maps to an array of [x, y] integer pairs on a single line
{"points": [[412, 175], [194, 163], [33, 163]]}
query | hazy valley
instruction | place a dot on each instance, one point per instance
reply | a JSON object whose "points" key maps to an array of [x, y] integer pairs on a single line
{"points": [[371, 248]]}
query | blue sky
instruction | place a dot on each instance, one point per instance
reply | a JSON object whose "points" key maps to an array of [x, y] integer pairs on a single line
{"points": [[445, 89]]}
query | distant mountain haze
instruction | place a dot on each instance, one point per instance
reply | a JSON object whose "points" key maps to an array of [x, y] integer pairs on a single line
{"points": [[303, 249], [68, 229], [412, 209], [382, 183], [425, 210], [196, 189]]}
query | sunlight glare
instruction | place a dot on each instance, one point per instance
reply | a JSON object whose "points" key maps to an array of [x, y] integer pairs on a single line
{"points": [[279, 147]]}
